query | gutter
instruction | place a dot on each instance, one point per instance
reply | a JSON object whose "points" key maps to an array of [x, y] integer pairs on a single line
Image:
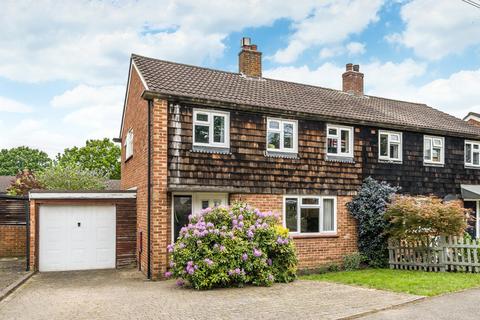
{"points": [[148, 94], [149, 192]]}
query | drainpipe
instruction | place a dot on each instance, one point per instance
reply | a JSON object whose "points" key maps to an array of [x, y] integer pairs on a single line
{"points": [[27, 227], [149, 184]]}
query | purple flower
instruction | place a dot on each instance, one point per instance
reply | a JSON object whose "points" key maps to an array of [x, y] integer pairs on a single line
{"points": [[234, 222], [240, 217], [244, 257], [172, 264], [180, 282], [269, 261], [271, 277], [168, 274], [170, 247], [208, 261], [240, 224], [182, 245], [222, 248], [250, 234], [257, 252]]}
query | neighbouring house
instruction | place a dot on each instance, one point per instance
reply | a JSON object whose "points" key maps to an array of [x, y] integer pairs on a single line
{"points": [[473, 118], [195, 137], [5, 182]]}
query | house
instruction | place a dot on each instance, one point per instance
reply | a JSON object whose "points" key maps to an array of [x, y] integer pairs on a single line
{"points": [[200, 137], [473, 118], [5, 182]]}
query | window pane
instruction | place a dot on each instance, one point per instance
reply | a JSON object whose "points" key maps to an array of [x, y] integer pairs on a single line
{"points": [[436, 154], [218, 129], [428, 149], [468, 153], [288, 135], [291, 214], [395, 137], [437, 142], [202, 117], [182, 208], [274, 125], [345, 141], [384, 145], [201, 134], [476, 158], [310, 201], [394, 148], [273, 140], [204, 204], [328, 215], [309, 219], [476, 147], [332, 132], [332, 145]]}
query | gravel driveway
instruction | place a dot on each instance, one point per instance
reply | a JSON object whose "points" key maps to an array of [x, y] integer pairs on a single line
{"points": [[11, 269], [111, 294]]}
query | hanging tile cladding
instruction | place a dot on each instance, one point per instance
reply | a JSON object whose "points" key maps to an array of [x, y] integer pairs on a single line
{"points": [[247, 169], [412, 175]]}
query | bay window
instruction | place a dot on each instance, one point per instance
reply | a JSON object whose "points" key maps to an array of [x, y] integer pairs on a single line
{"points": [[211, 128], [472, 153], [434, 150], [310, 214], [282, 135], [339, 141], [390, 146]]}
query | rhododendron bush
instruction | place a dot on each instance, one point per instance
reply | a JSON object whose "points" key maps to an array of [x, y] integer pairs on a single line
{"points": [[232, 246]]}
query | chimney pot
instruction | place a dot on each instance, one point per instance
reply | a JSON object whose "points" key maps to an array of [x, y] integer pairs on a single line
{"points": [[352, 79], [249, 59]]}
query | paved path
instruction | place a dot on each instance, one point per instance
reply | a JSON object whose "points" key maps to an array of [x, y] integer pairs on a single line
{"points": [[125, 295], [11, 269], [463, 305]]}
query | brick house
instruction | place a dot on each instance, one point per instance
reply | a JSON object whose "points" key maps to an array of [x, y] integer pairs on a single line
{"points": [[201, 137]]}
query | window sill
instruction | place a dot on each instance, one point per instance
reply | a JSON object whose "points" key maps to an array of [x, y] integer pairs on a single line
{"points": [[390, 161], [281, 154], [317, 235], [472, 167], [333, 158], [127, 159], [209, 149], [437, 165]]}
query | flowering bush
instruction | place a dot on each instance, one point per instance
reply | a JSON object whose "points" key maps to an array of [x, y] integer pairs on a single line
{"points": [[232, 246]]}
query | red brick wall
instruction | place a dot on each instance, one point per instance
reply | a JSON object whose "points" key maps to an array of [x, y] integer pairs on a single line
{"points": [[313, 251], [250, 61], [474, 122], [12, 241], [134, 170]]}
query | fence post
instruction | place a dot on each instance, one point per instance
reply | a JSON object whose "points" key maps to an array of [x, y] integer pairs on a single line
{"points": [[441, 253]]}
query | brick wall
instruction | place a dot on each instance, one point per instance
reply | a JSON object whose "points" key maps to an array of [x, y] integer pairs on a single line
{"points": [[474, 122], [250, 61], [313, 251], [12, 241]]}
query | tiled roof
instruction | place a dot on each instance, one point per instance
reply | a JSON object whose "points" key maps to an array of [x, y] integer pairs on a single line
{"points": [[182, 80], [5, 182]]}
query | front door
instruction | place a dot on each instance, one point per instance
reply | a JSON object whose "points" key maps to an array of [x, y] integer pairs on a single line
{"points": [[186, 204]]}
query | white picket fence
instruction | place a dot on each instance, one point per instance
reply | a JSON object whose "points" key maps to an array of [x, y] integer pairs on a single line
{"points": [[437, 254]]}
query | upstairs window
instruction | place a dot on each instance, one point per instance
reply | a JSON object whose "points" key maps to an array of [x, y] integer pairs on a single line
{"points": [[129, 144], [339, 141], [472, 153], [211, 128], [434, 150], [310, 215], [282, 135], [390, 146]]}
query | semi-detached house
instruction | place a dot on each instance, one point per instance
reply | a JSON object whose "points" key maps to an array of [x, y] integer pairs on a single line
{"points": [[194, 137]]}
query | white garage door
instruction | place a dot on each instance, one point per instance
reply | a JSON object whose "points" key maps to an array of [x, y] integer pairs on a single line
{"points": [[76, 237]]}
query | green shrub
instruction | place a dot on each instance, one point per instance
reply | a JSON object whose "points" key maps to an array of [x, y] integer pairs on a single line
{"points": [[353, 261], [71, 177], [232, 246], [368, 208]]}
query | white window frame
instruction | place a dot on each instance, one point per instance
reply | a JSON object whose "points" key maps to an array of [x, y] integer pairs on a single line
{"points": [[129, 144], [280, 130], [320, 220], [472, 143], [209, 123], [338, 136], [442, 153], [389, 157]]}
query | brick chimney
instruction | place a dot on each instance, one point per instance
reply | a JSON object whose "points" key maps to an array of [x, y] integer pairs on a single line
{"points": [[249, 59], [353, 79]]}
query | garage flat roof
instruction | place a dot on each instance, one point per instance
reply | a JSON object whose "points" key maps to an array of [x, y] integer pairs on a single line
{"points": [[109, 194]]}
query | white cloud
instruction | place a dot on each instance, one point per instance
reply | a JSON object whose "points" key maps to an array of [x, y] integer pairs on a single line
{"points": [[327, 75], [90, 41], [331, 23], [88, 96], [355, 48], [9, 105], [435, 28]]}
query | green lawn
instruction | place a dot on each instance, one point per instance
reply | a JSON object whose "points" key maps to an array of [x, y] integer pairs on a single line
{"points": [[413, 282]]}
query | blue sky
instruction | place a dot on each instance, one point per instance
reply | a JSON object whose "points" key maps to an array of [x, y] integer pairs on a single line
{"points": [[63, 65]]}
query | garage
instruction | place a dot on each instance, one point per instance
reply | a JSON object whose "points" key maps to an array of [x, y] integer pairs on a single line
{"points": [[82, 231]]}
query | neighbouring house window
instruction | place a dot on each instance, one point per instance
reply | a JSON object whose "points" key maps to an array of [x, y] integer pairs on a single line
{"points": [[390, 145], [211, 128], [310, 214], [339, 141], [472, 153], [129, 144], [434, 150], [281, 135]]}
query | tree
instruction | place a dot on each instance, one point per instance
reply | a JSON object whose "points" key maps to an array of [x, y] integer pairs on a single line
{"points": [[101, 156], [368, 208], [23, 183], [15, 160], [71, 178]]}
